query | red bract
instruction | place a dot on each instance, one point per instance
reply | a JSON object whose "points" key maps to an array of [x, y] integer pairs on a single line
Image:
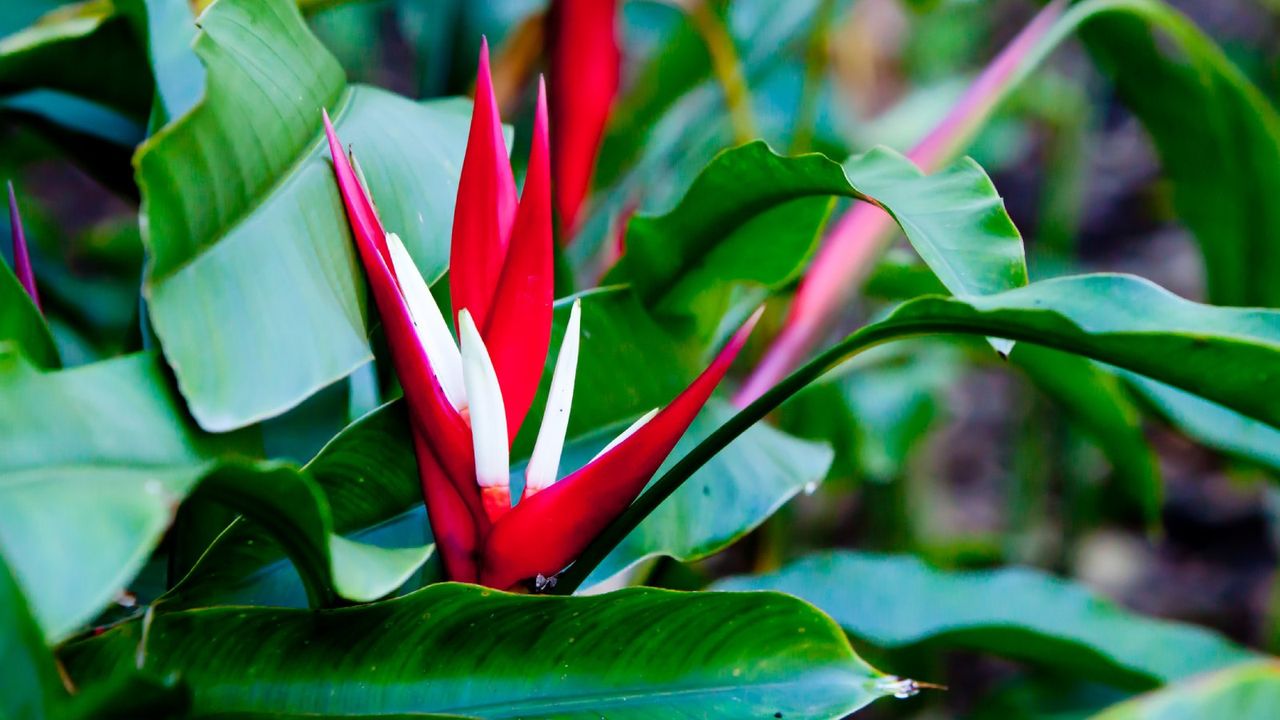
{"points": [[21, 259], [584, 65], [467, 400]]}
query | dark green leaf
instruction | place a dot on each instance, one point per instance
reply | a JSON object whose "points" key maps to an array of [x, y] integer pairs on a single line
{"points": [[1226, 355], [51, 55], [29, 685], [898, 601], [735, 492], [465, 650], [1096, 401], [1222, 159]]}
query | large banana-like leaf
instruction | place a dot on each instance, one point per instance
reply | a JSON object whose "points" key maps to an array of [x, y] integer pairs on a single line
{"points": [[93, 464], [468, 651], [737, 224], [1226, 355], [253, 286], [627, 366], [896, 601]]}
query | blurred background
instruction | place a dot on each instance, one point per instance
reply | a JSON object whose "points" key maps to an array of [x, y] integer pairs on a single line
{"points": [[942, 450]]}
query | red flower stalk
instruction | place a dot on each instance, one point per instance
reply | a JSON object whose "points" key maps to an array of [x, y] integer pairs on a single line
{"points": [[21, 259], [468, 400], [584, 65]]}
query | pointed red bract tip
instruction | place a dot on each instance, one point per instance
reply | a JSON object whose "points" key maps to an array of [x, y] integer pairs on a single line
{"points": [[545, 532], [486, 206], [365, 225], [519, 331], [430, 410], [584, 66], [21, 258]]}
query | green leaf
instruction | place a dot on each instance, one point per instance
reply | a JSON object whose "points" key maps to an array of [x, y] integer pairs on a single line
{"points": [[368, 477], [735, 492], [470, 651], [51, 55], [169, 29], [253, 287], [29, 685], [1226, 355], [368, 473], [1096, 401], [97, 461], [1211, 424], [22, 327], [627, 365], [898, 601], [954, 219], [877, 409], [296, 515], [1248, 692], [1221, 159]]}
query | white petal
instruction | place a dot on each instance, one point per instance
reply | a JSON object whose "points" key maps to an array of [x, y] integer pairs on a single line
{"points": [[488, 418], [545, 461], [627, 433], [433, 330]]}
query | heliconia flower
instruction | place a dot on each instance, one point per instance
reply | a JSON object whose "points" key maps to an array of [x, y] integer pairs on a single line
{"points": [[854, 242], [584, 65], [468, 399], [21, 259]]}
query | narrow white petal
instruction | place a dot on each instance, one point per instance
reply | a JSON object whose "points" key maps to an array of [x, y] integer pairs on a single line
{"points": [[488, 418], [433, 330], [544, 465], [627, 433]]}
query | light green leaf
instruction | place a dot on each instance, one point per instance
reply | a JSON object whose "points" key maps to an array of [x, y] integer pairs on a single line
{"points": [[725, 229], [22, 327], [1212, 424], [465, 650], [369, 478], [253, 287], [898, 601], [93, 465], [1248, 692]]}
